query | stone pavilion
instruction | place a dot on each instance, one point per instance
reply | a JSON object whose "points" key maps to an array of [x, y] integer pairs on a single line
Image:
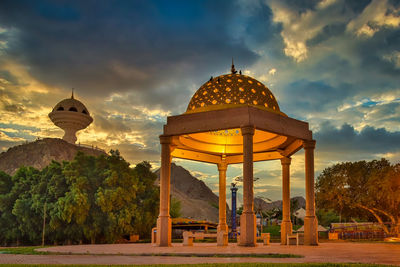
{"points": [[235, 119]]}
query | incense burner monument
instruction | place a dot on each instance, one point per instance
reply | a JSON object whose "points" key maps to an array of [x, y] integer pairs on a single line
{"points": [[71, 115]]}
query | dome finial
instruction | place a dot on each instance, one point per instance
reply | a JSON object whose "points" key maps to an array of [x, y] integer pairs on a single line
{"points": [[233, 68], [72, 95]]}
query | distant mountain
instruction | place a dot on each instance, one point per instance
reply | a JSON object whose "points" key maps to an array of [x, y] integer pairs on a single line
{"points": [[198, 201], [258, 202], [40, 153]]}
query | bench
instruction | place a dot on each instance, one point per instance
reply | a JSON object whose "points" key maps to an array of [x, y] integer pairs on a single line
{"points": [[292, 236], [265, 237], [188, 237]]}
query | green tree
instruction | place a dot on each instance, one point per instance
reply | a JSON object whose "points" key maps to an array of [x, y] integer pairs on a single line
{"points": [[240, 210], [8, 229], [117, 196], [258, 209], [107, 199], [272, 214], [90, 199], [27, 212], [5, 183], [175, 209], [22, 206], [362, 189], [147, 200], [294, 206], [52, 187], [326, 217], [84, 175]]}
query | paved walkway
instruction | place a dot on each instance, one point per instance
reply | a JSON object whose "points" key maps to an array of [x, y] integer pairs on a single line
{"points": [[326, 252]]}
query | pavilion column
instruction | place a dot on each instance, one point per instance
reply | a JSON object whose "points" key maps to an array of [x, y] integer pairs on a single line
{"points": [[286, 225], [164, 225], [222, 239], [248, 218], [310, 221]]}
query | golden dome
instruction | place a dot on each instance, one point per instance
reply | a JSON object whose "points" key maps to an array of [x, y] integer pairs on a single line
{"points": [[232, 90]]}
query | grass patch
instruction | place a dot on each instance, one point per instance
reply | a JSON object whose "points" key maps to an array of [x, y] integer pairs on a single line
{"points": [[221, 265], [23, 250], [32, 251], [274, 230]]}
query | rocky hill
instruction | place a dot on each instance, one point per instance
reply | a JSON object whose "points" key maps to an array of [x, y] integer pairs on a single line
{"points": [[40, 153], [198, 201]]}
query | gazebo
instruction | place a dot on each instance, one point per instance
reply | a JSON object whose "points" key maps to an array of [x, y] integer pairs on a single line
{"points": [[232, 119]]}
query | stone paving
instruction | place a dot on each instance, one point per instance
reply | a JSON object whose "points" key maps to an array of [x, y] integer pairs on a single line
{"points": [[382, 253]]}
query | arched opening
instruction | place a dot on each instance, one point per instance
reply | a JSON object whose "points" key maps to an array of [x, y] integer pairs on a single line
{"points": [[60, 109], [73, 109], [84, 111]]}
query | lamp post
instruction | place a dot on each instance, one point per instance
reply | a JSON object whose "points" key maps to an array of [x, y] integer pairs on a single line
{"points": [[240, 179], [44, 213], [46, 196], [44, 221], [234, 189]]}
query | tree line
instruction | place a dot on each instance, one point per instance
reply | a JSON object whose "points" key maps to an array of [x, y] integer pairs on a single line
{"points": [[87, 200], [101, 199], [366, 191]]}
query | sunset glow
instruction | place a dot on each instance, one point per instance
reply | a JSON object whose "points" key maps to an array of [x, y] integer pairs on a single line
{"points": [[332, 63]]}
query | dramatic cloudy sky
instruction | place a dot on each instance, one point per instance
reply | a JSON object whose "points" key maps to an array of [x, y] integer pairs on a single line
{"points": [[333, 63]]}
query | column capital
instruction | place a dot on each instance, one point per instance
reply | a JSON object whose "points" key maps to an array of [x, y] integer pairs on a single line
{"points": [[247, 130], [223, 166], [309, 144], [286, 160], [165, 139]]}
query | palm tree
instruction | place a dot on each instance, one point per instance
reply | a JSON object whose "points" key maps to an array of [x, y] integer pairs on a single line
{"points": [[258, 207]]}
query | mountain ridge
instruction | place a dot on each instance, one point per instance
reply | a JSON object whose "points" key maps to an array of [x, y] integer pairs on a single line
{"points": [[260, 203], [197, 199]]}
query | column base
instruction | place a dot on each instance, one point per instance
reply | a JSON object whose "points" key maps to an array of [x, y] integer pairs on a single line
{"points": [[222, 238], [164, 231], [222, 227], [248, 235], [222, 234], [286, 228], [310, 231]]}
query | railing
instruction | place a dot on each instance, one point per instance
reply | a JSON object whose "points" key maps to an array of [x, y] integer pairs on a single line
{"points": [[358, 230], [91, 147]]}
